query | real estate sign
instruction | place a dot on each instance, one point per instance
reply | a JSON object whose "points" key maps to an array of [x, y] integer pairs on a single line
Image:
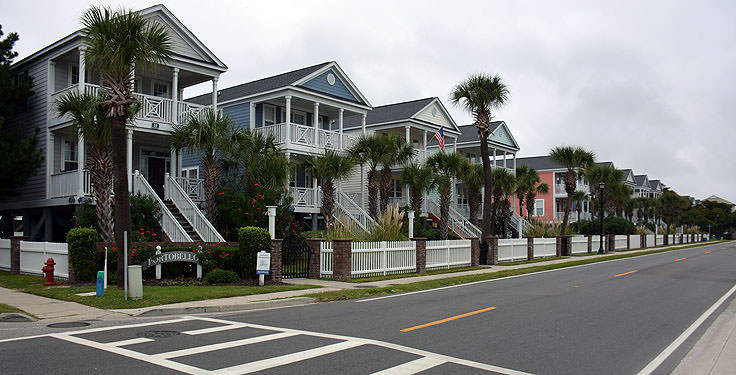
{"points": [[263, 263]]}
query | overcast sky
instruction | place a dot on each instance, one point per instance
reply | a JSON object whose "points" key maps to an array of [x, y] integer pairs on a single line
{"points": [[649, 85]]}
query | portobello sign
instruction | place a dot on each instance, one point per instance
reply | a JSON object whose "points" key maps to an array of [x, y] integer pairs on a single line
{"points": [[171, 256]]}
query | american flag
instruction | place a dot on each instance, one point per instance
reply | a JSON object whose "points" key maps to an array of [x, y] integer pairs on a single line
{"points": [[440, 137]]}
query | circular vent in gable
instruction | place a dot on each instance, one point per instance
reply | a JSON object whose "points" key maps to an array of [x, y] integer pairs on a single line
{"points": [[331, 79], [434, 112]]}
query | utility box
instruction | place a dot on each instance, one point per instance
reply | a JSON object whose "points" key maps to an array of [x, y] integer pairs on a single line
{"points": [[135, 282]]}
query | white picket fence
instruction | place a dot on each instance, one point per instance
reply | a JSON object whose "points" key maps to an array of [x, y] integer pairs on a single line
{"points": [[391, 257], [33, 256]]}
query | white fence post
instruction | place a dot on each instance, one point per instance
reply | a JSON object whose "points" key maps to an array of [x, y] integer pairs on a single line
{"points": [[385, 257]]}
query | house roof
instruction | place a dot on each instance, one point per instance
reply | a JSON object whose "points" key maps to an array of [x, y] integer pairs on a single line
{"points": [[389, 113], [261, 85], [541, 163], [469, 133], [654, 184], [640, 180], [717, 199]]}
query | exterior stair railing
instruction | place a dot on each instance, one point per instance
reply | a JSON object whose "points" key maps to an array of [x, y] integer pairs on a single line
{"points": [[347, 207], [457, 223], [169, 224], [191, 212]]}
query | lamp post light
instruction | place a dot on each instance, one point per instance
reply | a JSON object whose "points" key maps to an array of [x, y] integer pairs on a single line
{"points": [[601, 186]]}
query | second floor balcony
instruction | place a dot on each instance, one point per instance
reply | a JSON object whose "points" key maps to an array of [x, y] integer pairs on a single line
{"points": [[308, 136]]}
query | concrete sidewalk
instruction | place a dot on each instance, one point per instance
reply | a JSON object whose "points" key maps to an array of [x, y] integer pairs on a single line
{"points": [[49, 308]]}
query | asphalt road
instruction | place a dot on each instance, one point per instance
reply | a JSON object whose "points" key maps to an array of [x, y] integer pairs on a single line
{"points": [[604, 318]]}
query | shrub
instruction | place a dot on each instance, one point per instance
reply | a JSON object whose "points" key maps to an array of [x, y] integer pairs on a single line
{"points": [[251, 240], [144, 218], [218, 256], [82, 244], [612, 225], [390, 222], [219, 276]]}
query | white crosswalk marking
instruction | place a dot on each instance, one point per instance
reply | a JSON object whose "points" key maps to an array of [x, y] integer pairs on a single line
{"points": [[224, 345], [412, 367], [214, 329], [264, 364], [138, 340]]}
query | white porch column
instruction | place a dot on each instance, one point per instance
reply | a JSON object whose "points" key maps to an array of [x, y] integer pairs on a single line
{"points": [[514, 164], [288, 177], [362, 123], [174, 163], [316, 124], [316, 192], [425, 145], [340, 117], [454, 144], [214, 93], [494, 158], [81, 70], [288, 120], [504, 159], [407, 135], [129, 162], [252, 116], [80, 164], [175, 110], [49, 160]]}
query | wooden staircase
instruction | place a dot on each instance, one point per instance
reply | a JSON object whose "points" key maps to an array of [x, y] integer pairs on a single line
{"points": [[182, 221]]}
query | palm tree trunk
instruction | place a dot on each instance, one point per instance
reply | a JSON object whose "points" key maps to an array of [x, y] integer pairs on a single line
{"points": [[328, 201], [416, 200], [474, 199], [100, 170], [488, 183], [385, 187], [530, 201], [494, 214], [444, 211], [578, 219], [122, 196], [373, 193], [211, 180], [570, 190]]}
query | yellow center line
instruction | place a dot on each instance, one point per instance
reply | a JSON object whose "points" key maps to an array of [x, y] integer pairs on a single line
{"points": [[677, 260], [626, 273], [448, 319]]}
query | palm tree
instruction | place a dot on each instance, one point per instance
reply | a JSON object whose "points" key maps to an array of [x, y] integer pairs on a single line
{"points": [[212, 135], [672, 205], [368, 150], [578, 197], [472, 175], [503, 187], [327, 169], [420, 180], [259, 157], [522, 186], [479, 94], [612, 177], [89, 117], [574, 159], [527, 187], [531, 197], [446, 166], [396, 151], [118, 41]]}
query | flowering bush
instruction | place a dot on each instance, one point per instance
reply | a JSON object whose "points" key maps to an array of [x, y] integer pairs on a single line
{"points": [[219, 257], [144, 218], [237, 208]]}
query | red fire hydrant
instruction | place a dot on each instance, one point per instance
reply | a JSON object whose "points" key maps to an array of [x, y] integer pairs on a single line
{"points": [[48, 270]]}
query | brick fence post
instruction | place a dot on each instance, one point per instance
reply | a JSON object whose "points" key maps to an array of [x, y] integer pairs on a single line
{"points": [[342, 255], [558, 246], [422, 254], [474, 251], [643, 241], [628, 242], [15, 253], [590, 243], [568, 245], [492, 250], [276, 259], [666, 239], [682, 236], [530, 248], [610, 243], [315, 253]]}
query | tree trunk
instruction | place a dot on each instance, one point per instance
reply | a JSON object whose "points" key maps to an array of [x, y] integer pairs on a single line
{"points": [[385, 187], [416, 200], [373, 193], [122, 196], [100, 170], [531, 200], [488, 183], [494, 213], [474, 200], [578, 220], [570, 181], [211, 180], [444, 211], [328, 201]]}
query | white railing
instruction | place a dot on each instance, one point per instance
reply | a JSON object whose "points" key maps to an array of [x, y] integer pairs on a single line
{"points": [[620, 242], [417, 156], [579, 244], [545, 247], [33, 256], [457, 223], [66, 184], [186, 110], [348, 141], [302, 134], [193, 187], [515, 220], [306, 197], [328, 139], [154, 108], [325, 259], [169, 224], [383, 258], [278, 132], [635, 241], [650, 240], [510, 250], [448, 254], [349, 208], [196, 218]]}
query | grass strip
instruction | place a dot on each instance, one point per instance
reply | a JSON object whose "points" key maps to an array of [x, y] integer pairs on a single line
{"points": [[347, 294], [152, 295], [10, 309], [412, 274]]}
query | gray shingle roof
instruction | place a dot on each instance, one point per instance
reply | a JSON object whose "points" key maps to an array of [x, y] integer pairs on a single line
{"points": [[653, 184], [388, 113], [640, 179], [469, 133], [541, 163], [261, 85]]}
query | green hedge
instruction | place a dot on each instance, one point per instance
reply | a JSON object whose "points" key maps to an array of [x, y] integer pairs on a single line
{"points": [[219, 276], [82, 244], [612, 225], [251, 240]]}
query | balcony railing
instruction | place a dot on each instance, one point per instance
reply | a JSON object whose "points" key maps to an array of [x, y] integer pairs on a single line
{"points": [[305, 136], [306, 197], [66, 184], [560, 188], [559, 216], [152, 108]]}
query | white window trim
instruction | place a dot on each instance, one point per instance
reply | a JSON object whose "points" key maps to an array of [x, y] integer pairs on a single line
{"points": [[69, 75], [168, 88], [74, 154], [537, 206], [263, 114], [188, 171], [295, 112]]}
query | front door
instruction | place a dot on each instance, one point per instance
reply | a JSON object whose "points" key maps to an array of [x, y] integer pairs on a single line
{"points": [[156, 174]]}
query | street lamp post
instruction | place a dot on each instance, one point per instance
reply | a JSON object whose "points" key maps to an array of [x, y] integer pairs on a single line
{"points": [[601, 186]]}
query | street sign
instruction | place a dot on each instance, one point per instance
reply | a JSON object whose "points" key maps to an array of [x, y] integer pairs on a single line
{"points": [[263, 263]]}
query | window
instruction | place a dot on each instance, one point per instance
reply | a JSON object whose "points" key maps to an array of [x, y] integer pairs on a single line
{"points": [[298, 118], [462, 196], [160, 89], [192, 172], [70, 155], [559, 178], [73, 74], [396, 189], [538, 207], [269, 115], [322, 124]]}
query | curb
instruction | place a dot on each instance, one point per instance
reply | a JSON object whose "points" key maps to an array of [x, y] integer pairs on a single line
{"points": [[260, 305], [15, 318]]}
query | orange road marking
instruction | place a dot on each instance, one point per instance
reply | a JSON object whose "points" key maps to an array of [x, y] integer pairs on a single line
{"points": [[626, 273], [707, 252], [677, 260], [448, 319]]}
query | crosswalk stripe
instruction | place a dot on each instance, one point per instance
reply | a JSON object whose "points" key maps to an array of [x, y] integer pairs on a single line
{"points": [[412, 367], [224, 345], [214, 329], [138, 340], [265, 364]]}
